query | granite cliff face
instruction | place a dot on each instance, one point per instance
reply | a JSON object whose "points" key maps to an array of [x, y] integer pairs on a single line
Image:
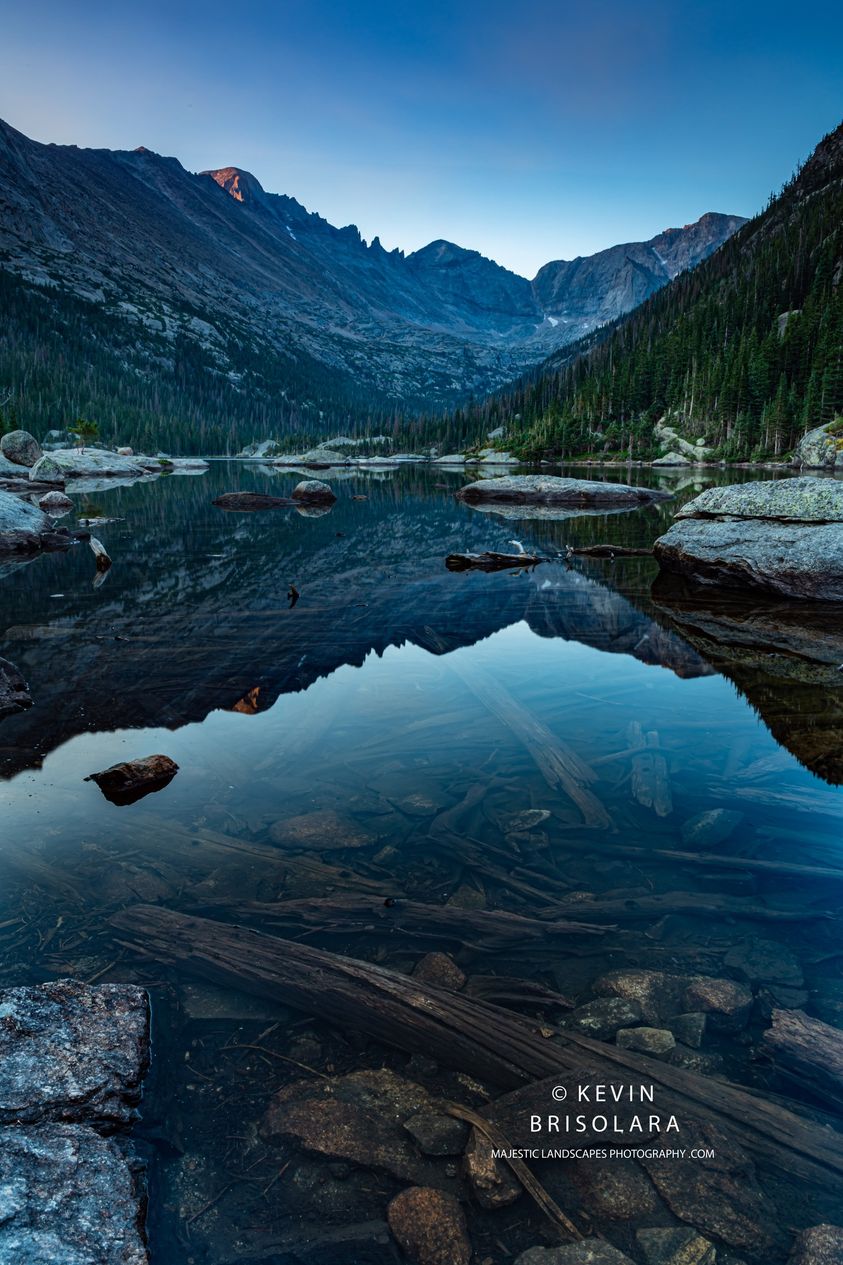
{"points": [[212, 264]]}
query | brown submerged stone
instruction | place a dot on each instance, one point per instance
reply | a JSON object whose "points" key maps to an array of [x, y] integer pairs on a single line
{"points": [[430, 1227]]}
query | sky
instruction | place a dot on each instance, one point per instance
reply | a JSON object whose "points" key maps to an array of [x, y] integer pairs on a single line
{"points": [[529, 130]]}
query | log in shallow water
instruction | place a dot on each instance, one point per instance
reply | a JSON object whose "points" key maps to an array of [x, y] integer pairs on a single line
{"points": [[475, 1037]]}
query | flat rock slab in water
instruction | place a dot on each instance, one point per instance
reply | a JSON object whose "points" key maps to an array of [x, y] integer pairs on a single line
{"points": [[14, 692], [796, 560], [18, 515], [128, 782], [67, 1195], [805, 500], [72, 1052], [79, 463], [548, 489], [250, 501], [780, 535]]}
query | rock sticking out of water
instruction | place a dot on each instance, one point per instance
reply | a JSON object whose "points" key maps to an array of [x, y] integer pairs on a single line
{"points": [[21, 448], [313, 492], [128, 782], [56, 504], [547, 489], [782, 536]]}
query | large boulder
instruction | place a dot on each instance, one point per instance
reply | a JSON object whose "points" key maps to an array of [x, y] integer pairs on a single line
{"points": [[820, 449], [81, 463], [72, 1052], [548, 489], [782, 536], [672, 459], [21, 448], [68, 1195], [313, 492]]}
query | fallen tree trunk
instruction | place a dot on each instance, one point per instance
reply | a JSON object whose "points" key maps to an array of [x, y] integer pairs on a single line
{"points": [[632, 908], [809, 1051], [713, 860], [608, 551], [475, 1037], [558, 764]]}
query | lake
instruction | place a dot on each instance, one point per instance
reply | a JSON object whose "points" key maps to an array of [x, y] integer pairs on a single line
{"points": [[352, 720]]}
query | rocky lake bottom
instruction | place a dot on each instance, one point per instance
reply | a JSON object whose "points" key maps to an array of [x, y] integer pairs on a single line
{"points": [[594, 811]]}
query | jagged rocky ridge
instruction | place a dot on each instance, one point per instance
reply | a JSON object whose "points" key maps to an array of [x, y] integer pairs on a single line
{"points": [[209, 274]]}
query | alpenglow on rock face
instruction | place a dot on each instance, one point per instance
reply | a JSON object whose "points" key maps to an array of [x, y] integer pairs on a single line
{"points": [[548, 489], [783, 536]]}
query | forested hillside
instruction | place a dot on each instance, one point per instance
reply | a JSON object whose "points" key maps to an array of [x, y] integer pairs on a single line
{"points": [[746, 350]]}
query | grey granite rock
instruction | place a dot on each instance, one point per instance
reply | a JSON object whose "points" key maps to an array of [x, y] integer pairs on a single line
{"points": [[314, 492], [601, 1019], [677, 1245], [821, 1245], [21, 448], [798, 560], [67, 1197], [19, 515], [817, 449], [654, 1041], [79, 463], [72, 1052], [547, 489], [56, 504], [803, 500]]}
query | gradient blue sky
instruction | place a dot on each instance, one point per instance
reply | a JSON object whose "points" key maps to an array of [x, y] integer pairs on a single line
{"points": [[529, 130]]}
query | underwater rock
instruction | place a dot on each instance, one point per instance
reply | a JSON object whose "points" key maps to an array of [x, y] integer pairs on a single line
{"points": [[662, 996], [548, 489], [726, 1003], [654, 1041], [129, 781], [493, 1183], [313, 492], [588, 1252], [689, 1029], [430, 1227], [361, 1118], [711, 828], [72, 1052], [69, 1196], [676, 1246], [601, 1019], [320, 831], [440, 970], [14, 691], [821, 1245], [618, 1191], [437, 1135]]}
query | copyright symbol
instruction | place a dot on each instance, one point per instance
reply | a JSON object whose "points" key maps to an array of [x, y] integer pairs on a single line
{"points": [[559, 1093]]}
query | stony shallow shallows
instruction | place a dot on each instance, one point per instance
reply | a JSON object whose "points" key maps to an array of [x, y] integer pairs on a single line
{"points": [[548, 489], [783, 536]]}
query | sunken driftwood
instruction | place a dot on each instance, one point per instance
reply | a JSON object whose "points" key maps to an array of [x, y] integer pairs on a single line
{"points": [[632, 908], [807, 1050], [490, 561], [100, 554], [753, 865], [559, 765], [475, 928], [472, 1036]]}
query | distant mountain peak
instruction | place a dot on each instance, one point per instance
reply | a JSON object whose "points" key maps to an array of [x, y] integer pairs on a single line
{"points": [[240, 184]]}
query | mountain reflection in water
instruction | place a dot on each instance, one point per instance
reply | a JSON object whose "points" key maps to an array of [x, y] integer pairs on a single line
{"points": [[319, 744]]}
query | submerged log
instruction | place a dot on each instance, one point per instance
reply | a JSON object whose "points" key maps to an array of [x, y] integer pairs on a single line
{"points": [[476, 928], [807, 1050], [558, 764], [475, 1037], [608, 551], [650, 776], [490, 561], [670, 856], [250, 501], [632, 908]]}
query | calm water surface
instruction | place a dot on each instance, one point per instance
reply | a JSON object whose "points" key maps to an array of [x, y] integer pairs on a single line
{"points": [[390, 693]]}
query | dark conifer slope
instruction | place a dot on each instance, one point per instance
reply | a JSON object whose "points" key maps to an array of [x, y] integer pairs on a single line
{"points": [[745, 350]]}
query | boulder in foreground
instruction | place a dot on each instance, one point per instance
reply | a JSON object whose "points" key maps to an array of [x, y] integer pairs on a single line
{"points": [[68, 1195], [783, 536], [72, 1052], [82, 463], [821, 448], [548, 489]]}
